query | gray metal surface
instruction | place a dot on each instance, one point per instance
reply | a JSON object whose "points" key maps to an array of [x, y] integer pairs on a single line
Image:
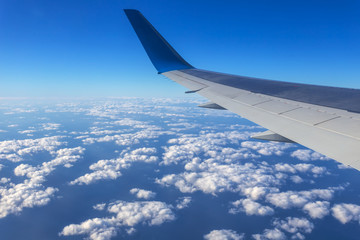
{"points": [[340, 98]]}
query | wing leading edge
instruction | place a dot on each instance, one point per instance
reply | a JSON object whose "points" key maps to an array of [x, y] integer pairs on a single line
{"points": [[325, 119]]}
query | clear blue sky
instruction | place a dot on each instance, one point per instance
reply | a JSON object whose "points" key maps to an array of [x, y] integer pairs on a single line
{"points": [[85, 48]]}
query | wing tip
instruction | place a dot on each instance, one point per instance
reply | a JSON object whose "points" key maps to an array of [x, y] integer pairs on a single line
{"points": [[129, 10], [163, 56]]}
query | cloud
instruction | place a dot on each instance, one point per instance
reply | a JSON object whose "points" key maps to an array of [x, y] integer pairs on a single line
{"points": [[318, 209], [296, 179], [250, 208], [32, 192], [211, 144], [267, 148], [291, 199], [50, 126], [126, 139], [293, 225], [23, 195], [124, 215], [141, 193], [100, 206], [346, 212], [110, 169], [224, 234], [131, 122], [301, 168], [212, 168], [15, 150], [27, 131], [270, 234], [216, 178], [308, 155], [183, 202]]}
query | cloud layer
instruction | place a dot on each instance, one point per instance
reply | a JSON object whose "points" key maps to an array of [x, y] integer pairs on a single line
{"points": [[123, 215]]}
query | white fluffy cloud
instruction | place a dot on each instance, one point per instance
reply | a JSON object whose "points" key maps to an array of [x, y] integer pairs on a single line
{"points": [[221, 168], [183, 202], [296, 227], [291, 199], [111, 169], [318, 209], [215, 178], [100, 206], [50, 126], [185, 148], [270, 234], [346, 212], [224, 234], [32, 192], [250, 207], [301, 168], [127, 139], [308, 155], [15, 150], [141, 193], [124, 215], [267, 148]]}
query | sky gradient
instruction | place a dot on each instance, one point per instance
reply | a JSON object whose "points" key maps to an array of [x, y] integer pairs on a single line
{"points": [[87, 48]]}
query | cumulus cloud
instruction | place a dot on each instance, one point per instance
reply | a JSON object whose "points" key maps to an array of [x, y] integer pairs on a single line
{"points": [[318, 209], [212, 168], [250, 207], [224, 234], [296, 179], [267, 148], [50, 126], [126, 139], [296, 227], [141, 193], [124, 215], [301, 168], [270, 234], [183, 202], [32, 192], [186, 147], [110, 169], [29, 131], [15, 150], [100, 206], [346, 212], [291, 199], [216, 178], [131, 122], [308, 155]]}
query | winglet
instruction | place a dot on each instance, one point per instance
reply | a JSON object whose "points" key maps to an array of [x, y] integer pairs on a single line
{"points": [[161, 54]]}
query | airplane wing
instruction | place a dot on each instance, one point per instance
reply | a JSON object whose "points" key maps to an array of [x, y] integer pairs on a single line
{"points": [[325, 119]]}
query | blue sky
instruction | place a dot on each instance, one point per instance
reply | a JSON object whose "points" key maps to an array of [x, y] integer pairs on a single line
{"points": [[86, 48]]}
